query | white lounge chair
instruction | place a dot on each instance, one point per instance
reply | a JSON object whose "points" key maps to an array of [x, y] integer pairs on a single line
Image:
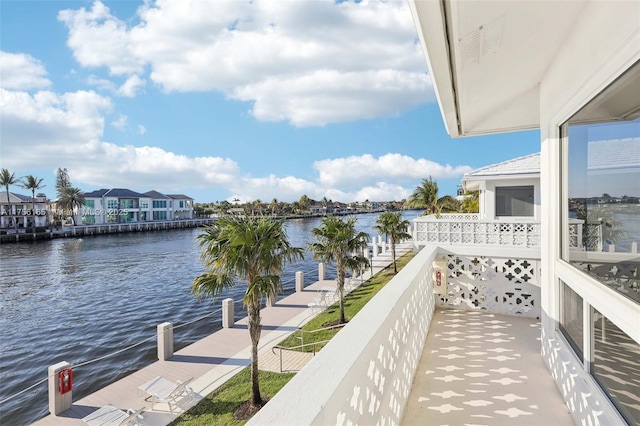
{"points": [[332, 294], [110, 415], [165, 391], [319, 303]]}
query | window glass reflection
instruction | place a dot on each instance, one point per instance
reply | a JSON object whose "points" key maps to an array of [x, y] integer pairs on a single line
{"points": [[616, 367], [603, 141], [571, 323]]}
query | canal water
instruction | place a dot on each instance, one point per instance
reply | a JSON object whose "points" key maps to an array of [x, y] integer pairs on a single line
{"points": [[80, 299]]}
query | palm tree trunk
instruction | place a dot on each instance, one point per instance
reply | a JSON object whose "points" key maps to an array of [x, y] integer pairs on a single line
{"points": [[10, 212], [254, 332], [393, 254], [33, 212], [341, 275]]}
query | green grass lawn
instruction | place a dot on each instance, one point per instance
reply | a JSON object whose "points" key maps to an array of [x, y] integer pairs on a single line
{"points": [[218, 407], [353, 302]]}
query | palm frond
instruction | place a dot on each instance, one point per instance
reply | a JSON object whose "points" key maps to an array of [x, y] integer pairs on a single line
{"points": [[211, 284]]}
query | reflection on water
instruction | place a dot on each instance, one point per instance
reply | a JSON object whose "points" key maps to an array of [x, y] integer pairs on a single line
{"points": [[78, 299]]}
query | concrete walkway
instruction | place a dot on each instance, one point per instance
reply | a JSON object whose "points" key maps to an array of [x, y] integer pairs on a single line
{"points": [[210, 361], [483, 369]]}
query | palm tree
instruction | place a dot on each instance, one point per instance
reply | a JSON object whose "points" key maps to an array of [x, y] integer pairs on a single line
{"points": [[256, 206], [448, 204], [304, 202], [7, 179], [33, 183], [471, 202], [71, 199], [425, 196], [274, 206], [253, 250], [336, 239], [395, 228]]}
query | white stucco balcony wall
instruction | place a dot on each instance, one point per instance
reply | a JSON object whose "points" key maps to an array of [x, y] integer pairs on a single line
{"points": [[364, 374]]}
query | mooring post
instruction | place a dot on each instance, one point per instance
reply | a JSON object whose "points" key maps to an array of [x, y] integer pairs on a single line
{"points": [[227, 313], [60, 394], [165, 341], [299, 281]]}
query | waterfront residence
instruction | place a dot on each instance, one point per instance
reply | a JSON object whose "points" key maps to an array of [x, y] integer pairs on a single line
{"points": [[571, 70], [114, 205], [23, 210], [121, 205]]}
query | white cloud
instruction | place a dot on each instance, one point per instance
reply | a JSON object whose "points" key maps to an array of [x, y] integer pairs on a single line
{"points": [[19, 71], [120, 123], [101, 83], [141, 129], [152, 167], [131, 87], [383, 191], [99, 39], [329, 96], [356, 171], [309, 63], [47, 130], [48, 121]]}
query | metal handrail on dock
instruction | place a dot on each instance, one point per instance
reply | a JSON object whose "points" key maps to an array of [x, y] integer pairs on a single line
{"points": [[303, 331], [292, 348], [299, 348]]}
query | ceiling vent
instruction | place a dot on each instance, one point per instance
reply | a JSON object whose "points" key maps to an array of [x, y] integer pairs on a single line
{"points": [[485, 40]]}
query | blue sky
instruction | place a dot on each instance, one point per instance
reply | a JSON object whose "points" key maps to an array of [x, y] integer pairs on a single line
{"points": [[226, 99]]}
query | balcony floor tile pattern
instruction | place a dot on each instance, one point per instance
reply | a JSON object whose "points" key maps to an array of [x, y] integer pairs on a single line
{"points": [[479, 368]]}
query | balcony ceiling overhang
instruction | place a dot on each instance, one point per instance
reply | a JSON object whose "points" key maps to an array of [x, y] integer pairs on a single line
{"points": [[487, 58]]}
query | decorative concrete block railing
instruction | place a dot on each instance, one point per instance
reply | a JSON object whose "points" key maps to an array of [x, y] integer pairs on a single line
{"points": [[508, 286], [445, 230], [364, 374], [463, 217]]}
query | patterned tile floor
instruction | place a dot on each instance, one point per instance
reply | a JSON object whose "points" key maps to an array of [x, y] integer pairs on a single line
{"points": [[483, 369]]}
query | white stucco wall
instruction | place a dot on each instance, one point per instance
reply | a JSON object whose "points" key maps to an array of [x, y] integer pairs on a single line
{"points": [[604, 42]]}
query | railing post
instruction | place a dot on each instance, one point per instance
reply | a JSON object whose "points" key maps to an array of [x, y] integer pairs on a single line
{"points": [[227, 313], [299, 281], [579, 234], [320, 271], [165, 341], [58, 402], [634, 247]]}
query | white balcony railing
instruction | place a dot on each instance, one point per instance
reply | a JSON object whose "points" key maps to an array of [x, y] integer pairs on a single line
{"points": [[468, 229]]}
